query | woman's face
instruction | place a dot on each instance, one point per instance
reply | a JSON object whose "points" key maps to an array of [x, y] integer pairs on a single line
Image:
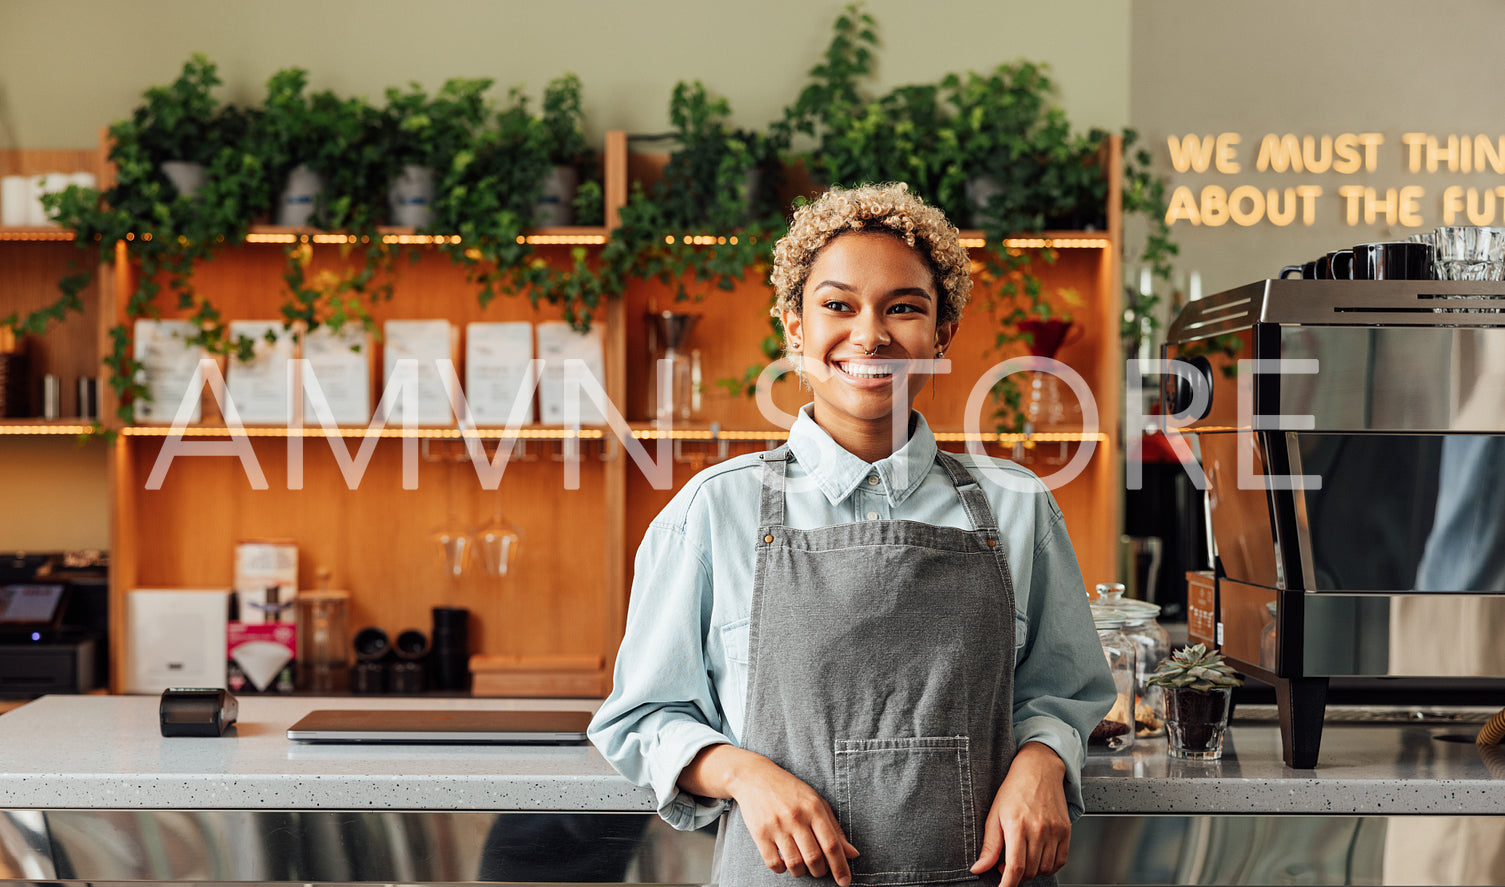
{"points": [[867, 292]]}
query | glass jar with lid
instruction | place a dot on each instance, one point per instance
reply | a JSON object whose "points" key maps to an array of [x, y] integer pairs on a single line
{"points": [[1116, 730], [1152, 645]]}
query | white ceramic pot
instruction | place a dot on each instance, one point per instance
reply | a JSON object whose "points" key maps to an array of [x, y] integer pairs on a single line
{"points": [[300, 197], [411, 197], [46, 183], [187, 177], [15, 201], [979, 191], [556, 205]]}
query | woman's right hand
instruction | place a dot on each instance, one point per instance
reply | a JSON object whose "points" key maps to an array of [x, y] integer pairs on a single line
{"points": [[795, 830]]}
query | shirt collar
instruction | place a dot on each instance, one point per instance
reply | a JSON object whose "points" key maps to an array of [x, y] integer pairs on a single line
{"points": [[837, 472]]}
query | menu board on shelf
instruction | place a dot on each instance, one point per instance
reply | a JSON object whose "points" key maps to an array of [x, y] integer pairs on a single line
{"points": [[339, 367], [558, 343], [259, 387], [168, 364], [496, 362], [426, 342]]}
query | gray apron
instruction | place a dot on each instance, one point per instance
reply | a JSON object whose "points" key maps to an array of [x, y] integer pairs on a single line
{"points": [[881, 672]]}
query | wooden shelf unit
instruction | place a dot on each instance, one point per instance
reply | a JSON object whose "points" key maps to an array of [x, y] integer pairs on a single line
{"points": [[553, 625], [32, 261]]}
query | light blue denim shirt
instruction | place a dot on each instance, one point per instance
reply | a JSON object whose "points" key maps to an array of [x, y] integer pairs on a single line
{"points": [[681, 675]]}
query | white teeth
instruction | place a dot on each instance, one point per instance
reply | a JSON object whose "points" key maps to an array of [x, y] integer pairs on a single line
{"points": [[866, 370]]}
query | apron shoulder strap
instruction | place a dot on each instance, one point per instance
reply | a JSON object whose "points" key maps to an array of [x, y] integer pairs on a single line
{"points": [[979, 512], [771, 505]]}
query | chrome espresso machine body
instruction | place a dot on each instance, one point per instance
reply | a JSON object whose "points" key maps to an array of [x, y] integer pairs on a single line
{"points": [[1366, 535]]}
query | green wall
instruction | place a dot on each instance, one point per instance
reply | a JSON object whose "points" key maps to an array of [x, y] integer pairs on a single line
{"points": [[69, 68]]}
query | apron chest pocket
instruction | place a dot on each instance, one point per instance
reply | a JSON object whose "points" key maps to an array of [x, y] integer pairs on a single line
{"points": [[907, 806]]}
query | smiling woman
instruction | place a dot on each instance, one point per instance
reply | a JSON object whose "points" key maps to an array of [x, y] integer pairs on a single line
{"points": [[873, 310], [747, 683]]}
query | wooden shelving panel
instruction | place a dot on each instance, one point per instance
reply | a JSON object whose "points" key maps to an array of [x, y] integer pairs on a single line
{"points": [[552, 626]]}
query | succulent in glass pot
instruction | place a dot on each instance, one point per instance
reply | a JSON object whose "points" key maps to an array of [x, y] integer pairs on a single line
{"points": [[1198, 685], [1197, 668]]}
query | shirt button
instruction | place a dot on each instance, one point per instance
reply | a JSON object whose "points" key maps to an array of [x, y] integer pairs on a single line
{"points": [[873, 480], [872, 515]]}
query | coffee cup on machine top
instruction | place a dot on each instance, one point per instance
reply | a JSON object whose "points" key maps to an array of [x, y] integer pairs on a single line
{"points": [[1340, 263], [1392, 260]]}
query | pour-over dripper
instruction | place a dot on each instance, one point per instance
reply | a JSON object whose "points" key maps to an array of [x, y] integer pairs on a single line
{"points": [[668, 332], [1047, 407], [671, 328]]}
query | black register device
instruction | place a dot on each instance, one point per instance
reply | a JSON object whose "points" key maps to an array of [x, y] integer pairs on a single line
{"points": [[193, 711], [453, 727]]}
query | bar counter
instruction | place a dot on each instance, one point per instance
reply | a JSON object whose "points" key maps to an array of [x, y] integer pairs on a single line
{"points": [[106, 752], [91, 792]]}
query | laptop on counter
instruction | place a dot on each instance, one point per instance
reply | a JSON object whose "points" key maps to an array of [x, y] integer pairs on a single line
{"points": [[452, 727]]}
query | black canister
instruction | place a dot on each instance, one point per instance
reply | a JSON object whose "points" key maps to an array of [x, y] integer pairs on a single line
{"points": [[372, 650], [410, 672], [449, 651]]}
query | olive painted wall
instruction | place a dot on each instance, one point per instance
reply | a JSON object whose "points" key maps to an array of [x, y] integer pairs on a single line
{"points": [[68, 68]]}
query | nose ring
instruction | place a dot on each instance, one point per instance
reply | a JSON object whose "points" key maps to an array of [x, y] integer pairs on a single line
{"points": [[867, 353]]}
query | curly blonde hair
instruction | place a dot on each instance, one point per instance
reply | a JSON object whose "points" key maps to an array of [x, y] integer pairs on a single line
{"points": [[885, 208]]}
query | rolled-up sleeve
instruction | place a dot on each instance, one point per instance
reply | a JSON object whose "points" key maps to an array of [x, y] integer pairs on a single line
{"points": [[662, 709], [1062, 686]]}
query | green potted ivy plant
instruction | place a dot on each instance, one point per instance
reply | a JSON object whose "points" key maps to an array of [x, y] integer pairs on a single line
{"points": [[182, 126], [487, 196], [170, 226], [712, 214], [425, 134], [287, 138], [563, 131]]}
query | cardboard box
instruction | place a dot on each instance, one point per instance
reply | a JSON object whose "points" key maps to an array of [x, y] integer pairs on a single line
{"points": [[260, 566]]}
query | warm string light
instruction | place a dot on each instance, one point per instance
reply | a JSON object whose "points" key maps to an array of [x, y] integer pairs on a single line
{"points": [[1041, 242], [70, 430], [350, 432], [1039, 437], [566, 239], [705, 240], [532, 433], [33, 235], [547, 239]]}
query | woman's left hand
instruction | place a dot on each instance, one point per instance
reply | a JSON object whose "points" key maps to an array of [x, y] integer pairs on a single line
{"points": [[1029, 828]]}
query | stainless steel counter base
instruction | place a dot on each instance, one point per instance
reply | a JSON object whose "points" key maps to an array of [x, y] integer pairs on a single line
{"points": [[348, 847], [331, 847]]}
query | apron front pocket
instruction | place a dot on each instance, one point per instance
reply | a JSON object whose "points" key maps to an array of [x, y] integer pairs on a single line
{"points": [[907, 806]]}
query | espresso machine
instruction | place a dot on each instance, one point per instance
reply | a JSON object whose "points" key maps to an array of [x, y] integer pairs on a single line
{"points": [[1355, 488]]}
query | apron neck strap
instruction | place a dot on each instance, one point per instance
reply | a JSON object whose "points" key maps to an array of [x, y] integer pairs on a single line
{"points": [[968, 490], [775, 467]]}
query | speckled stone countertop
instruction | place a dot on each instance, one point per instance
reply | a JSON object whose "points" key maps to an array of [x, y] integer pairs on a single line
{"points": [[106, 752]]}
